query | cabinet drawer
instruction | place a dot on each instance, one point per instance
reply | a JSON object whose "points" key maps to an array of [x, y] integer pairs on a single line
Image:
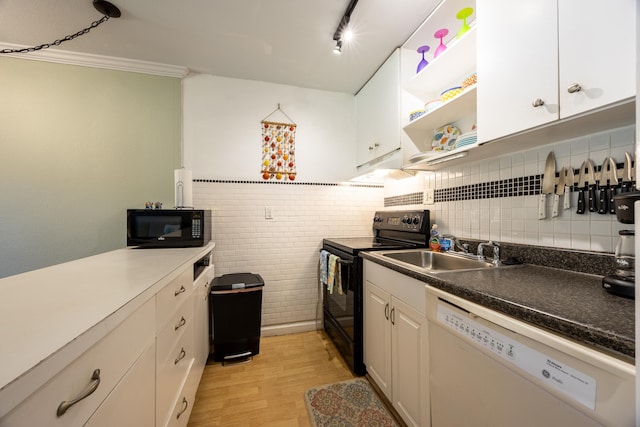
{"points": [[171, 375], [113, 356], [132, 402], [173, 331], [174, 294], [182, 409]]}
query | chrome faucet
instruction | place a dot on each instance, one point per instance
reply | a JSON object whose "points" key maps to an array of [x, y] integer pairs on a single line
{"points": [[463, 247], [496, 252]]}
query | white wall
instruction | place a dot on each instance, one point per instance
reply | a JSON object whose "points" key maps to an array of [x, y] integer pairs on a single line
{"points": [[223, 147], [222, 133]]}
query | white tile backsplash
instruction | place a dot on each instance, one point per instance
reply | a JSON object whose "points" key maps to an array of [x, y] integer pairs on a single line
{"points": [[515, 219], [283, 250]]}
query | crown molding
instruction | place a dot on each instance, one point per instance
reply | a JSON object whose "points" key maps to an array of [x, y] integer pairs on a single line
{"points": [[98, 61]]}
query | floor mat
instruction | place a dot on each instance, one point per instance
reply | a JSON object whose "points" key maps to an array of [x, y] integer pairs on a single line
{"points": [[347, 403]]}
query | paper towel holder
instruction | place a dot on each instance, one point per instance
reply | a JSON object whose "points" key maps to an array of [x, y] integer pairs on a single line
{"points": [[182, 189]]}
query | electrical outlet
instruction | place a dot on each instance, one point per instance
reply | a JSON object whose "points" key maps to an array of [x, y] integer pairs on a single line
{"points": [[430, 196], [268, 212]]}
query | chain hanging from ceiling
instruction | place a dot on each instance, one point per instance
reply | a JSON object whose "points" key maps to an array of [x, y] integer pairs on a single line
{"points": [[107, 9]]}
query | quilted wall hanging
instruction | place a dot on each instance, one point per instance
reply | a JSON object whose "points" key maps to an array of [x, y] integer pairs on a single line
{"points": [[278, 148]]}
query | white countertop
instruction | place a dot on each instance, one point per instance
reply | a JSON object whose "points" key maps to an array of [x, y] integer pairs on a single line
{"points": [[52, 315]]}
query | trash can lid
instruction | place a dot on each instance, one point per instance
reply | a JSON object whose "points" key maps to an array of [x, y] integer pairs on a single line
{"points": [[237, 281]]}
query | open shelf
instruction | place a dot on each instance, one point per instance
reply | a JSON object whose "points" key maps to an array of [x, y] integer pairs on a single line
{"points": [[447, 70], [612, 116]]}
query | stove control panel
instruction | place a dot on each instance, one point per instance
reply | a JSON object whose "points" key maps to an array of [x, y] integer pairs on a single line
{"points": [[416, 221]]}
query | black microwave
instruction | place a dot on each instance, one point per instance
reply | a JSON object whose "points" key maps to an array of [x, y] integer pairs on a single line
{"points": [[168, 228]]}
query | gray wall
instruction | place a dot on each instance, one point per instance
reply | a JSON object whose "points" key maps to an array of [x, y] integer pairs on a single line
{"points": [[78, 146]]}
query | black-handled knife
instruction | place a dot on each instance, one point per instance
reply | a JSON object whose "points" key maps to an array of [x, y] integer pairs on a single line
{"points": [[591, 180], [605, 189], [613, 184], [581, 189], [627, 179]]}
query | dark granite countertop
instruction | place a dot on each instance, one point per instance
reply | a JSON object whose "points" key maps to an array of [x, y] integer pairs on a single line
{"points": [[569, 303]]}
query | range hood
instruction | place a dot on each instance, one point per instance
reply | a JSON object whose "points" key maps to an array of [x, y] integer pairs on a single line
{"points": [[383, 168]]}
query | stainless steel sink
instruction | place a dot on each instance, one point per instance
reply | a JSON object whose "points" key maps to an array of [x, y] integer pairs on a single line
{"points": [[434, 262]]}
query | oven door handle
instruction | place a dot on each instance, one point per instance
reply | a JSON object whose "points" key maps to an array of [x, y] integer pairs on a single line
{"points": [[340, 261]]}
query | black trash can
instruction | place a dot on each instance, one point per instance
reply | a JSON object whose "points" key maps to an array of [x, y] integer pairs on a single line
{"points": [[235, 314]]}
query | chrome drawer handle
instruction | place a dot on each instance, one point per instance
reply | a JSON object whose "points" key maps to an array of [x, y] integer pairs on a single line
{"points": [[180, 356], [180, 324], [538, 103], [93, 386], [574, 88], [179, 291], [185, 405]]}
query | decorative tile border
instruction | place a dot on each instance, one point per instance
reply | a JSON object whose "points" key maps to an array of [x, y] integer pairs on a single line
{"points": [[512, 187], [325, 184], [405, 199]]}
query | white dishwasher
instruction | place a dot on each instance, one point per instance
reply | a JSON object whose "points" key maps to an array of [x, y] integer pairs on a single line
{"points": [[488, 369]]}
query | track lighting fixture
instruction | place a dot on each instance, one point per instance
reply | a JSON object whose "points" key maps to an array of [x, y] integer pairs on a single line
{"points": [[108, 10], [339, 34], [338, 49]]}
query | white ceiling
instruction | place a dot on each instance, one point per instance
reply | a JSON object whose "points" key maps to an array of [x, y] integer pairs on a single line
{"points": [[280, 41]]}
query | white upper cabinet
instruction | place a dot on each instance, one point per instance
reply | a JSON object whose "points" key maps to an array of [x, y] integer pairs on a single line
{"points": [[597, 53], [378, 112], [517, 65], [544, 60]]}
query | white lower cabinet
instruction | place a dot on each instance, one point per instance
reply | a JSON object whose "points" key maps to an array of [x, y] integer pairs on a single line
{"points": [[144, 372], [132, 402], [91, 378], [395, 341]]}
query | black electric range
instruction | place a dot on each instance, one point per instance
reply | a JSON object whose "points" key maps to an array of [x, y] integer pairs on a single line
{"points": [[343, 312]]}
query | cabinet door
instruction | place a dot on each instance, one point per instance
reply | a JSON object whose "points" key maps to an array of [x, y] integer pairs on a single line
{"points": [[517, 64], [377, 336], [597, 52], [132, 402], [409, 360], [378, 112]]}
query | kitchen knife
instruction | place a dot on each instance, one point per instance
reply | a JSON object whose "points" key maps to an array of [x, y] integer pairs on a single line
{"points": [[548, 184], [591, 183], [559, 192], [603, 184], [569, 179], [613, 184], [581, 188], [627, 179]]}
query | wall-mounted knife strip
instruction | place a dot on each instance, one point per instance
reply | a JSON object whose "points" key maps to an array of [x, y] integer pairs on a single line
{"points": [[597, 173]]}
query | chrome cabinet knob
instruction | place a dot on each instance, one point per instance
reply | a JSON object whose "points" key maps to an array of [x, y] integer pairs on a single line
{"points": [[538, 103], [574, 88]]}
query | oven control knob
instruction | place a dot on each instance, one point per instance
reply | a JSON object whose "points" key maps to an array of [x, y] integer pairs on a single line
{"points": [[405, 220], [416, 220]]}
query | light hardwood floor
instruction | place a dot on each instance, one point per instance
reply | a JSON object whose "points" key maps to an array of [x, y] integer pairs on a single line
{"points": [[269, 390]]}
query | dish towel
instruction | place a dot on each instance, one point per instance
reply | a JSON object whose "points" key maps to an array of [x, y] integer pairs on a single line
{"points": [[333, 271], [324, 260]]}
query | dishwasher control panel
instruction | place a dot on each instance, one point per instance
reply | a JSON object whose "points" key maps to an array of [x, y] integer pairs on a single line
{"points": [[553, 373]]}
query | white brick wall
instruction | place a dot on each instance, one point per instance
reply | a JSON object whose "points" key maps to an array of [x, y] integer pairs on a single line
{"points": [[283, 250]]}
